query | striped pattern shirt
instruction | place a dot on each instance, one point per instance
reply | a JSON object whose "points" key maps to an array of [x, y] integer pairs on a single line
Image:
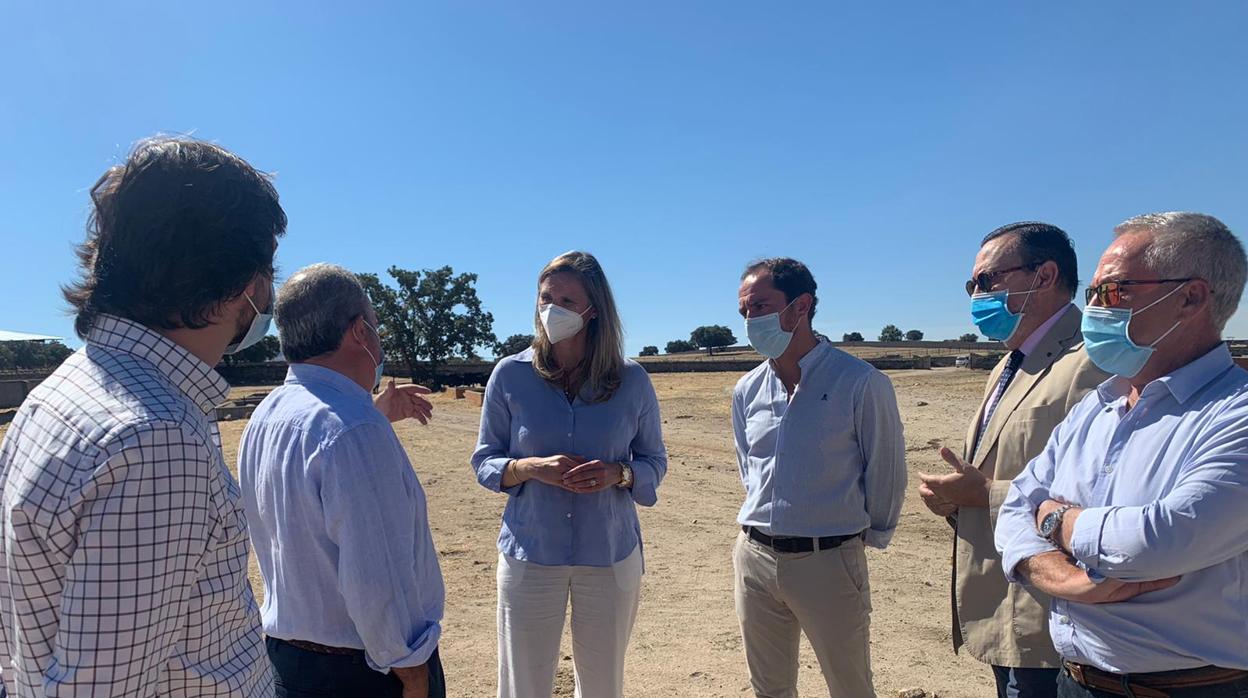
{"points": [[123, 544]]}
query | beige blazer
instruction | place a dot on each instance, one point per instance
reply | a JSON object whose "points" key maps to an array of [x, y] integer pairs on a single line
{"points": [[1000, 623]]}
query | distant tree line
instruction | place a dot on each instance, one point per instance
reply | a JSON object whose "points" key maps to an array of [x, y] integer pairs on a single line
{"points": [[32, 355]]}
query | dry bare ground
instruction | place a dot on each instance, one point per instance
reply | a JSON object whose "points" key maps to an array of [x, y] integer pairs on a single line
{"points": [[686, 641]]}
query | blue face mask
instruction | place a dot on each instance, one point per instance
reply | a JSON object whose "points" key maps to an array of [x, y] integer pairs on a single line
{"points": [[259, 326], [1107, 338], [381, 365], [991, 313], [766, 335]]}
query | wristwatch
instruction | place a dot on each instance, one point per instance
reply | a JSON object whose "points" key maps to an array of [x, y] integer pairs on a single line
{"points": [[1051, 526], [626, 477]]}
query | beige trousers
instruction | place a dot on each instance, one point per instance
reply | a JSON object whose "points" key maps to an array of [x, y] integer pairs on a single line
{"points": [[824, 594]]}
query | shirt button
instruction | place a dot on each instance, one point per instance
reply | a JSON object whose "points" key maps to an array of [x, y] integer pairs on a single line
{"points": [[569, 434], [569, 514], [1064, 620], [1109, 469]]}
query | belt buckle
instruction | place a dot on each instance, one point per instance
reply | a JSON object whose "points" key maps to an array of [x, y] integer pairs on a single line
{"points": [[1076, 673]]}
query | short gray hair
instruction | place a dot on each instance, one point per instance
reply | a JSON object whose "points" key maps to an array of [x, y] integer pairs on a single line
{"points": [[314, 307], [1195, 245]]}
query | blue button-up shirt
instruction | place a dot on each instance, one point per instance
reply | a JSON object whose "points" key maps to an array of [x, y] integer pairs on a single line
{"points": [[1165, 486], [829, 462], [338, 523], [524, 416]]}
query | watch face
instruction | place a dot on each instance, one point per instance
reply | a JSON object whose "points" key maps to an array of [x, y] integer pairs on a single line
{"points": [[1049, 523]]}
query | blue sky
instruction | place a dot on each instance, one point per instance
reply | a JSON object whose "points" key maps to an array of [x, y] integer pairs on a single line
{"points": [[676, 141]]}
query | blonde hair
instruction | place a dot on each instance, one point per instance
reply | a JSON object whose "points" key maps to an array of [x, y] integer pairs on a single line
{"points": [[604, 341]]}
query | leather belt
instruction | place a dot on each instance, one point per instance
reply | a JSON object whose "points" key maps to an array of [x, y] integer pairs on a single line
{"points": [[782, 544], [322, 649], [1151, 685]]}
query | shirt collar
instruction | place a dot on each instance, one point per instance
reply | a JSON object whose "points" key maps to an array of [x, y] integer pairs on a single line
{"points": [[204, 386], [816, 352], [311, 374], [1183, 383], [525, 356], [1038, 334]]}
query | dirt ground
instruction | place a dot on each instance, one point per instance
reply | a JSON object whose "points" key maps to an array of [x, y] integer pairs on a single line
{"points": [[686, 641]]}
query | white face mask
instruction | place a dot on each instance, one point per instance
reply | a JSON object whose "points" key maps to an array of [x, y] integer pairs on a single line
{"points": [[559, 322]]}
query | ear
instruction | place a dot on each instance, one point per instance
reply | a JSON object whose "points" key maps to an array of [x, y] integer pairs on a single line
{"points": [[1196, 297], [1047, 275]]}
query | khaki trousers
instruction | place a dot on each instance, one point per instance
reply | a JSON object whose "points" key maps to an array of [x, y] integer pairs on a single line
{"points": [[824, 594]]}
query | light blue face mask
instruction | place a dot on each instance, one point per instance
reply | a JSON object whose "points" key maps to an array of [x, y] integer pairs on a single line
{"points": [[766, 335], [381, 365], [259, 325], [1107, 338], [991, 312]]}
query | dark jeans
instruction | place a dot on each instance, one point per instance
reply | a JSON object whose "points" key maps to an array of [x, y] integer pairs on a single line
{"points": [[1067, 688], [304, 674], [1025, 683]]}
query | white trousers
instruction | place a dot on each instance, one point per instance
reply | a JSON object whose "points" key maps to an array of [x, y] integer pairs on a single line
{"points": [[532, 604]]}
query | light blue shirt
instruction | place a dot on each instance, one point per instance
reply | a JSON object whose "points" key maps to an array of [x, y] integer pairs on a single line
{"points": [[1165, 486], [524, 416], [829, 462], [338, 522]]}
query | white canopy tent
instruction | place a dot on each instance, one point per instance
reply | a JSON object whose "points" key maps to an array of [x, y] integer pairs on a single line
{"points": [[8, 336]]}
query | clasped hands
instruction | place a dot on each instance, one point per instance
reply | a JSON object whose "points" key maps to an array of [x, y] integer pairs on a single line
{"points": [[572, 473]]}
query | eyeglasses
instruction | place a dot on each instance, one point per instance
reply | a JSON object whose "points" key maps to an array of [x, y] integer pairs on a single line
{"points": [[985, 279], [1109, 294]]}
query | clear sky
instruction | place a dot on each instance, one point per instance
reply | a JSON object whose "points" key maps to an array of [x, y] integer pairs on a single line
{"points": [[878, 142]]}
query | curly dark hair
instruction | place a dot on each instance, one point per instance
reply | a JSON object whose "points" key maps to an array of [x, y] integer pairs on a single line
{"points": [[181, 227]]}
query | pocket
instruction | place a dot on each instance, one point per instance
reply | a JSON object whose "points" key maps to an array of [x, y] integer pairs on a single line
{"points": [[627, 572], [510, 571]]}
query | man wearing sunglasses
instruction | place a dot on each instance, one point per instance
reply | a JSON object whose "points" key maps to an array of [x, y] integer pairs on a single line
{"points": [[1132, 518], [1024, 278]]}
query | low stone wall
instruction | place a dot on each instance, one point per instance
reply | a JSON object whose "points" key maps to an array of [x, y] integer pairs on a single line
{"points": [[13, 392]]}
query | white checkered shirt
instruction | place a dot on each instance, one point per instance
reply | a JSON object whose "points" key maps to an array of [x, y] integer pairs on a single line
{"points": [[123, 554]]}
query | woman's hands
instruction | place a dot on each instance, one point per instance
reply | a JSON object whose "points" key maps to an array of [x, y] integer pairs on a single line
{"points": [[572, 473]]}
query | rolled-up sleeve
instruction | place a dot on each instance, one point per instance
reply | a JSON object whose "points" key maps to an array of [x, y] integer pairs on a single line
{"points": [[374, 513], [491, 455], [1199, 523], [1016, 536], [649, 455], [884, 457]]}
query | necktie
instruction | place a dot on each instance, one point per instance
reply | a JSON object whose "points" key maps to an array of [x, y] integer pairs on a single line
{"points": [[1007, 375]]}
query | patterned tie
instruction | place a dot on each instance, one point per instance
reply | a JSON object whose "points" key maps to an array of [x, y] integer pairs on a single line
{"points": [[1007, 375]]}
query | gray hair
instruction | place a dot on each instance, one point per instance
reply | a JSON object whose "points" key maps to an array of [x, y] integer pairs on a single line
{"points": [[314, 307], [1194, 245]]}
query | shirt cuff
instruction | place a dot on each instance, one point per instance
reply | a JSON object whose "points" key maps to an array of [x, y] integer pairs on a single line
{"points": [[490, 475], [644, 489], [1085, 542], [1022, 550], [418, 653], [877, 538]]}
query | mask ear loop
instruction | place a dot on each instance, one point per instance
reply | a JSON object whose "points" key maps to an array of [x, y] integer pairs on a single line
{"points": [[365, 348], [1029, 292], [1172, 327]]}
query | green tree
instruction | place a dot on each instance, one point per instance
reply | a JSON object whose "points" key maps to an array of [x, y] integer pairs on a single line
{"points": [[514, 344], [267, 349], [710, 337], [677, 346], [649, 350], [969, 337], [852, 337], [891, 333], [429, 317], [14, 355], [914, 335]]}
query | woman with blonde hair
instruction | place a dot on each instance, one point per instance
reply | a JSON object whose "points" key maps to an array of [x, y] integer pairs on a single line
{"points": [[570, 431]]}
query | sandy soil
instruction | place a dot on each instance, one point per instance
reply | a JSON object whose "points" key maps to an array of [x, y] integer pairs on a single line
{"points": [[686, 640]]}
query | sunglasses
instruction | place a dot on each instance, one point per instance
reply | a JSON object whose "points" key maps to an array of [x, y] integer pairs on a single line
{"points": [[985, 279], [1109, 294]]}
